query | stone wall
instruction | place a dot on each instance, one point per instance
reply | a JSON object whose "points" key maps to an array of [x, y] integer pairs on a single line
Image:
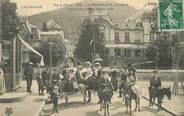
{"points": [[167, 76]]}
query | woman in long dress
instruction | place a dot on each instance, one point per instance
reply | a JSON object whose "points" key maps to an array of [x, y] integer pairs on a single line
{"points": [[132, 80], [2, 82]]}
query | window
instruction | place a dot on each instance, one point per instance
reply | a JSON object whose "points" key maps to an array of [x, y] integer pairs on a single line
{"points": [[151, 36], [138, 53], [127, 52], [107, 52], [102, 35], [137, 37], [127, 37], [174, 36], [116, 36], [102, 31], [117, 52]]}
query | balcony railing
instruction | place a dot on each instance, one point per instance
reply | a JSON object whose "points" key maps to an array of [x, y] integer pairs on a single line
{"points": [[126, 42]]}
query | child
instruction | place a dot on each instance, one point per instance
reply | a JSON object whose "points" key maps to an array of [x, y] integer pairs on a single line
{"points": [[55, 96]]}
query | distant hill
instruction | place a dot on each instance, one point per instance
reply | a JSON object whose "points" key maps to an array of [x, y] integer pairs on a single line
{"points": [[70, 19]]}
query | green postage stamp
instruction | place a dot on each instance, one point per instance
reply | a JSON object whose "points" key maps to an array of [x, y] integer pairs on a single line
{"points": [[171, 15]]}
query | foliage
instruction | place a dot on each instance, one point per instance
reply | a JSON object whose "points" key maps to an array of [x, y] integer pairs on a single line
{"points": [[57, 52], [11, 23], [160, 50], [88, 38]]}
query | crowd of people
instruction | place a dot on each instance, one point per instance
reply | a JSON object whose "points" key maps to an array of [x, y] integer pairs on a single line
{"points": [[84, 79]]}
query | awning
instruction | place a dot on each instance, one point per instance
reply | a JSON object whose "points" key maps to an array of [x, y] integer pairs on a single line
{"points": [[33, 50]]}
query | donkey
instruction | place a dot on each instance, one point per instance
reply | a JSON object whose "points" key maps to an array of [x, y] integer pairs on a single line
{"points": [[159, 94]]}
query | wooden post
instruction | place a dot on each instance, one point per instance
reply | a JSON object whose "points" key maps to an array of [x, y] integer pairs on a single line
{"points": [[13, 63]]}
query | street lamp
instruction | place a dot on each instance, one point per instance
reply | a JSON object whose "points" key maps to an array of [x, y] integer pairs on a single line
{"points": [[97, 58], [50, 53]]}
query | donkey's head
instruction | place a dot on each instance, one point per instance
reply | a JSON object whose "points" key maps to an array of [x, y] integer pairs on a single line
{"points": [[167, 92]]}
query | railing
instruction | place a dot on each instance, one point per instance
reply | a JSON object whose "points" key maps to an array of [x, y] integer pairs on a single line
{"points": [[126, 42]]}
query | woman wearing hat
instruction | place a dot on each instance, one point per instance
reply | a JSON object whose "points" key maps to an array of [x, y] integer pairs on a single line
{"points": [[88, 69], [97, 70], [2, 82], [78, 74], [114, 79], [132, 81], [39, 80]]}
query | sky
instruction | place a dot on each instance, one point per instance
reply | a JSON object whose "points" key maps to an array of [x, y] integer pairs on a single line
{"points": [[31, 7]]}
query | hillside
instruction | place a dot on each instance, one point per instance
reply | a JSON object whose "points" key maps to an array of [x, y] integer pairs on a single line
{"points": [[70, 19]]}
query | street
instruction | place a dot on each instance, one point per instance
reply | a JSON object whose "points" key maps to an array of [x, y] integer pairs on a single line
{"points": [[87, 52], [117, 108]]}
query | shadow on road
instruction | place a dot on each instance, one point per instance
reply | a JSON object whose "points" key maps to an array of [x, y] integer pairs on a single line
{"points": [[73, 104]]}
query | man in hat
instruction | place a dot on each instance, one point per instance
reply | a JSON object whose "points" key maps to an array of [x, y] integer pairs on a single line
{"points": [[28, 72], [55, 76], [103, 80], [46, 77], [155, 84], [122, 81], [114, 79], [55, 96], [155, 81]]}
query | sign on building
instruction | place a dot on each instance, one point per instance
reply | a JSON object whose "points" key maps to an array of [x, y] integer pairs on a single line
{"points": [[171, 15]]}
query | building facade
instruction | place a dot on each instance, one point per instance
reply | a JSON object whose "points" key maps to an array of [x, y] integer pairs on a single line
{"points": [[126, 42], [10, 52], [51, 33]]}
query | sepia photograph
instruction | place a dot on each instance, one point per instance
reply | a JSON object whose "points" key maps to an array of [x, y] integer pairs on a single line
{"points": [[91, 57]]}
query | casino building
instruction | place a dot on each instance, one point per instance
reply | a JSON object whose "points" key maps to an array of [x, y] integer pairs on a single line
{"points": [[126, 41]]}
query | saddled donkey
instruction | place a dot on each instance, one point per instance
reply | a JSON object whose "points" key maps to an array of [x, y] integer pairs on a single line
{"points": [[129, 96], [82, 87], [68, 89], [122, 89], [159, 94], [106, 95], [91, 85]]}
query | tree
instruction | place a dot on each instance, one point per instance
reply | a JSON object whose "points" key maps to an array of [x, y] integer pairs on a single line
{"points": [[11, 23], [57, 50], [88, 38], [160, 50]]}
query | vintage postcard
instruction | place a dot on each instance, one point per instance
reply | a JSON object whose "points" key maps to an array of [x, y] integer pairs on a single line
{"points": [[92, 57]]}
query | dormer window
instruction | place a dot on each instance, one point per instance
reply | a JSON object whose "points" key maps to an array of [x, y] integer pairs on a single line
{"points": [[127, 37], [116, 37]]}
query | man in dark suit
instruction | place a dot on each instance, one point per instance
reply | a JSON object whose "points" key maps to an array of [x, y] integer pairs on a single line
{"points": [[46, 77], [28, 72], [155, 80], [122, 82], [55, 76], [55, 96], [155, 86]]}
